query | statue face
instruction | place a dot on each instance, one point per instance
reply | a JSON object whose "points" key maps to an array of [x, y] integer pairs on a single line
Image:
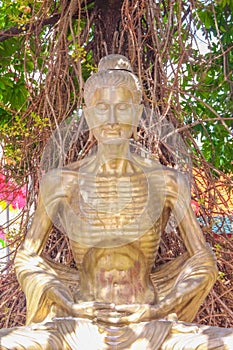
{"points": [[112, 114]]}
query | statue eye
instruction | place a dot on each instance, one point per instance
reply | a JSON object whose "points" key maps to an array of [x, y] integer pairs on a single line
{"points": [[102, 107], [123, 106]]}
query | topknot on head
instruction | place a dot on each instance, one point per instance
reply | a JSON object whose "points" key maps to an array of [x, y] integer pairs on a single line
{"points": [[113, 61], [114, 71]]}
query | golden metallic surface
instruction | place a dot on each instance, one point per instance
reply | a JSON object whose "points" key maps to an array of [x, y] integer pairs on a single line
{"points": [[114, 207]]}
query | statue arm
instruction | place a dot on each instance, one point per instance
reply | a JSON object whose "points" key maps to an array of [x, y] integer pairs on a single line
{"points": [[39, 281], [180, 203], [199, 272]]}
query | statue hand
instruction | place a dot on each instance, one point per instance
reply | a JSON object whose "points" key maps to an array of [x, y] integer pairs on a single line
{"points": [[90, 309], [64, 300], [131, 313]]}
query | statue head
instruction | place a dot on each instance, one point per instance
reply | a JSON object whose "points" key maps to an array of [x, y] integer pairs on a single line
{"points": [[113, 97], [113, 71]]}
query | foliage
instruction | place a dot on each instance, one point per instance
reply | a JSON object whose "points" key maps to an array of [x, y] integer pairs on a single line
{"points": [[211, 102]]}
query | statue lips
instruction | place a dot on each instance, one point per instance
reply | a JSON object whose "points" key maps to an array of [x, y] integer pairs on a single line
{"points": [[112, 130], [115, 133]]}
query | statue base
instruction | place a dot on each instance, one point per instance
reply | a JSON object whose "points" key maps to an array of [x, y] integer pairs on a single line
{"points": [[78, 334]]}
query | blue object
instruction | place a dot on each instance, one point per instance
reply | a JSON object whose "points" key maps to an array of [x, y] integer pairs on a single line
{"points": [[220, 224]]}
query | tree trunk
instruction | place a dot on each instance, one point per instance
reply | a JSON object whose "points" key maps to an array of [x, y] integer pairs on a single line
{"points": [[107, 27]]}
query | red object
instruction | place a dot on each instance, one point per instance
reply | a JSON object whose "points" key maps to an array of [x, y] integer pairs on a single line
{"points": [[11, 193], [195, 206]]}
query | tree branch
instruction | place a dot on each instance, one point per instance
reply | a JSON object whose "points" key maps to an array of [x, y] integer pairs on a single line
{"points": [[15, 31]]}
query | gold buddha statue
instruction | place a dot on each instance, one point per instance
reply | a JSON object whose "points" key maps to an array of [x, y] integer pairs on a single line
{"points": [[113, 206]]}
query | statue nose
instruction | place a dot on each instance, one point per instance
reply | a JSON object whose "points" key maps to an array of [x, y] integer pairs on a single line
{"points": [[112, 116]]}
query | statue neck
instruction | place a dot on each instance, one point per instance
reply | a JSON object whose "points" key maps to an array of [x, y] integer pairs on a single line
{"points": [[114, 158]]}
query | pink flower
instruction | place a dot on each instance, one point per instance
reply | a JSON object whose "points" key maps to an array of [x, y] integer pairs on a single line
{"points": [[11, 193], [20, 199], [2, 235]]}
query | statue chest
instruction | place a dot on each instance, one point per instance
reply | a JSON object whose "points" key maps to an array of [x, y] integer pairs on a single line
{"points": [[117, 201], [109, 211]]}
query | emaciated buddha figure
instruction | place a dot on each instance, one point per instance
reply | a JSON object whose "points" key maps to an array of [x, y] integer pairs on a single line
{"points": [[113, 206]]}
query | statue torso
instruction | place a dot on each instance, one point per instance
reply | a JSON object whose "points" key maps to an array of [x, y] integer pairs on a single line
{"points": [[114, 227]]}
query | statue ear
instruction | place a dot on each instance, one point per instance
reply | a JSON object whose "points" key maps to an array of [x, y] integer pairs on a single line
{"points": [[139, 113], [85, 112], [137, 118], [87, 116]]}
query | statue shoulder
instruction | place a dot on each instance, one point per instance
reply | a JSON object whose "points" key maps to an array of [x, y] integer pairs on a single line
{"points": [[176, 178], [177, 186], [54, 176], [147, 164], [57, 182], [76, 166], [172, 178]]}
